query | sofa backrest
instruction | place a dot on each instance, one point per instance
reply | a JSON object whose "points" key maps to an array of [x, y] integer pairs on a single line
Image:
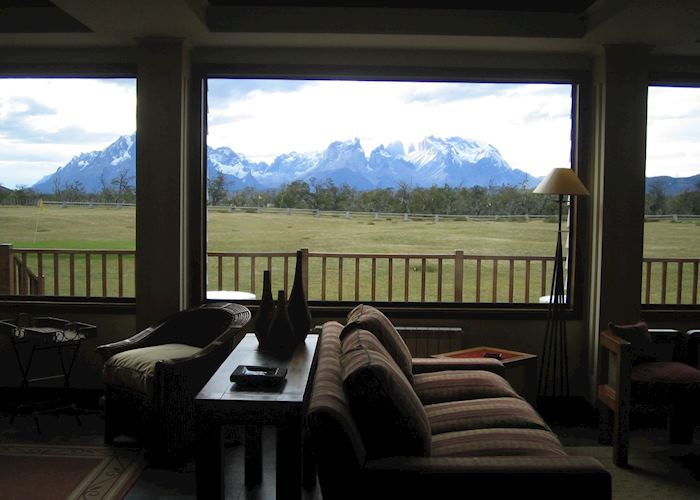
{"points": [[337, 444], [370, 318]]}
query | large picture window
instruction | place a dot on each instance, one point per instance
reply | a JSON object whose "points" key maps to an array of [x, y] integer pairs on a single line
{"points": [[396, 191], [67, 195], [672, 212]]}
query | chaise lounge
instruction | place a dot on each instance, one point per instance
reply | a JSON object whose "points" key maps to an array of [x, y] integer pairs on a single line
{"points": [[385, 425]]}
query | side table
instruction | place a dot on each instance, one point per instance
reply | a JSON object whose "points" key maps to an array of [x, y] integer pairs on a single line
{"points": [[41, 334], [223, 402], [520, 367]]}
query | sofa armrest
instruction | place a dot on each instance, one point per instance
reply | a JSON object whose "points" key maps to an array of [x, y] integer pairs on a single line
{"points": [[614, 386], [429, 365], [502, 477], [141, 339], [692, 343]]}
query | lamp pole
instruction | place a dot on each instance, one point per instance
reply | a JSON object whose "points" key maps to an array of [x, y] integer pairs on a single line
{"points": [[554, 368], [555, 360]]}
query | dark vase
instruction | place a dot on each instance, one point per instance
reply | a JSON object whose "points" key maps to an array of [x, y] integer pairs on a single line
{"points": [[280, 341], [299, 313], [263, 319]]}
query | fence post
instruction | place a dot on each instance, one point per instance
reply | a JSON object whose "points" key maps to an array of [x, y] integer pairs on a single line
{"points": [[459, 275], [305, 270], [5, 269]]}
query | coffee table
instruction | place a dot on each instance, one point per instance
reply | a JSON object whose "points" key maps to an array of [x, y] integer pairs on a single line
{"points": [[513, 361], [223, 402]]}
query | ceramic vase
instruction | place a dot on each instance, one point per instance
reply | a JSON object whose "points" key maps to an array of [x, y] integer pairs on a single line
{"points": [[280, 340], [299, 313], [263, 319]]}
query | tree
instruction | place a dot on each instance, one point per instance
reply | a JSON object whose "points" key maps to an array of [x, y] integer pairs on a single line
{"points": [[217, 189], [23, 195], [74, 192], [656, 200], [121, 184], [403, 193], [296, 194]]}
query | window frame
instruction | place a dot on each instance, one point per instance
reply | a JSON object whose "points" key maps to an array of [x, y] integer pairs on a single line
{"points": [[579, 233], [662, 312], [49, 303]]}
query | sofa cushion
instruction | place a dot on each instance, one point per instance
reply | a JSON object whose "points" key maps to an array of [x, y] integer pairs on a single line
{"points": [[134, 369], [390, 417], [331, 425], [483, 414], [497, 442], [637, 334], [666, 382], [372, 319], [457, 385]]}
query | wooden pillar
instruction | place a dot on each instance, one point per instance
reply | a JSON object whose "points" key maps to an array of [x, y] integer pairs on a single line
{"points": [[625, 84], [617, 181], [5, 269], [161, 154]]}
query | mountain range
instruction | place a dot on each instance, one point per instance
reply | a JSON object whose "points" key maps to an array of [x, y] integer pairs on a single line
{"points": [[434, 161]]}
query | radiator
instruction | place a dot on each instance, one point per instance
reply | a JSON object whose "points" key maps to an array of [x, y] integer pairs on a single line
{"points": [[425, 341]]}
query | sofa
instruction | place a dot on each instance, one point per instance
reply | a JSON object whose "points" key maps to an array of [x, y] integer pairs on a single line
{"points": [[382, 424]]}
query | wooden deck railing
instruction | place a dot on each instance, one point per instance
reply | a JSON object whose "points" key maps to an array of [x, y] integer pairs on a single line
{"points": [[24, 281], [333, 276]]}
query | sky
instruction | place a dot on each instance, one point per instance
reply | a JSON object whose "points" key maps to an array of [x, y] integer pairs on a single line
{"points": [[46, 122], [530, 124]]}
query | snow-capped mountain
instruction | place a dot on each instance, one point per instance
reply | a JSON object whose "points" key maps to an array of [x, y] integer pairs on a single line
{"points": [[454, 161], [96, 169]]}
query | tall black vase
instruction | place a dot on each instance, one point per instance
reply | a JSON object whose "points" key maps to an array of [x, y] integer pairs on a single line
{"points": [[263, 319], [299, 313], [280, 340]]}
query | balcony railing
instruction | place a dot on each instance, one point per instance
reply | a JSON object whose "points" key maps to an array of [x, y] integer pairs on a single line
{"points": [[331, 276]]}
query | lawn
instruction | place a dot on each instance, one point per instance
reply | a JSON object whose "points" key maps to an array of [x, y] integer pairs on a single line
{"points": [[114, 228]]}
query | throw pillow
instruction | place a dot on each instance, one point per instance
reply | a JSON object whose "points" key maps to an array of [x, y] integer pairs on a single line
{"points": [[637, 334], [372, 319], [384, 406]]}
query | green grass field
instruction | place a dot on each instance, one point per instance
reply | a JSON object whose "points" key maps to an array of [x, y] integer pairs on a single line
{"points": [[114, 228]]}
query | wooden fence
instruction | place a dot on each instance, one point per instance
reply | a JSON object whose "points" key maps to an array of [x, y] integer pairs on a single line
{"points": [[333, 276]]}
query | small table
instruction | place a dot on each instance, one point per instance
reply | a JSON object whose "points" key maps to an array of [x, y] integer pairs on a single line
{"points": [[221, 402], [45, 333], [511, 360]]}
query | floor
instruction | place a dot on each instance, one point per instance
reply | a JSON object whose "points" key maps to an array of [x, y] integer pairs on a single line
{"points": [[655, 466]]}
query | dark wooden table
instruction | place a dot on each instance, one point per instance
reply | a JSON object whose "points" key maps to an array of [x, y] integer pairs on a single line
{"points": [[222, 402]]}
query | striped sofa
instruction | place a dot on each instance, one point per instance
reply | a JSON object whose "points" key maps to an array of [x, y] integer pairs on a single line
{"points": [[385, 425]]}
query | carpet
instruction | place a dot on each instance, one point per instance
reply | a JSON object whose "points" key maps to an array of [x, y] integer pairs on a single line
{"points": [[668, 472], [39, 471]]}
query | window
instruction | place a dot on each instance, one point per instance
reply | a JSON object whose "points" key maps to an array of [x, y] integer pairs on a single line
{"points": [[398, 191], [67, 170], [672, 212]]}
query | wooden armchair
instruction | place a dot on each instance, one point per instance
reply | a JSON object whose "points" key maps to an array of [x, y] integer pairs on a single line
{"points": [[151, 378], [654, 374]]}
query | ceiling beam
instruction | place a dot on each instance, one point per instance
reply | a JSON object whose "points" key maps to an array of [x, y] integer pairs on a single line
{"points": [[265, 19], [38, 20]]}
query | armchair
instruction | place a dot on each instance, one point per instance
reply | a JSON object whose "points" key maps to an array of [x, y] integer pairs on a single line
{"points": [[641, 367], [151, 378]]}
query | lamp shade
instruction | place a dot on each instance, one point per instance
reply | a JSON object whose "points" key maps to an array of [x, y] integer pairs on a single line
{"points": [[561, 181]]}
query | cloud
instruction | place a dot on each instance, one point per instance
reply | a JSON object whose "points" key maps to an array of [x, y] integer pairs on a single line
{"points": [[24, 173], [47, 121], [529, 123], [673, 131]]}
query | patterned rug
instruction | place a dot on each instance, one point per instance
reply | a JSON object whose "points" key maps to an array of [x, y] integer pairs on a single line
{"points": [[670, 472], [40, 471]]}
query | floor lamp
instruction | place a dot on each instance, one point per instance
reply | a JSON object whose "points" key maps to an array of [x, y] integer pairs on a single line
{"points": [[554, 367]]}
